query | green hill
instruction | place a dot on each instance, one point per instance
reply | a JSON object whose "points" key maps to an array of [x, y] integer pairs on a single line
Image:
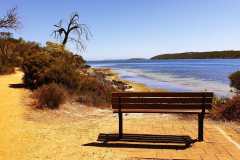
{"points": [[201, 55]]}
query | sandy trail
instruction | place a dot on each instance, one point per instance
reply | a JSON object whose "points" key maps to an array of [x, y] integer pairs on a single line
{"points": [[27, 134], [11, 120], [71, 132]]}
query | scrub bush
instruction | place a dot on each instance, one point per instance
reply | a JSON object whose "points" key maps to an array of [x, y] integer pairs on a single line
{"points": [[227, 109], [235, 80], [50, 96]]}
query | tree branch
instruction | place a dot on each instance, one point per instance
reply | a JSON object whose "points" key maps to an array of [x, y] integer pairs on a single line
{"points": [[10, 20], [82, 32]]}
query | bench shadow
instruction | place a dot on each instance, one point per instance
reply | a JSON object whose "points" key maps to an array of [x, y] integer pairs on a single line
{"points": [[17, 85], [143, 141]]}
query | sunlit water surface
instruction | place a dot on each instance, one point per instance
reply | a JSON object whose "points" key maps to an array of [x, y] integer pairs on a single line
{"points": [[177, 75]]}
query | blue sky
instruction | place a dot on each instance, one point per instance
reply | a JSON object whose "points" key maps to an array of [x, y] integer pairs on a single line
{"points": [[136, 28]]}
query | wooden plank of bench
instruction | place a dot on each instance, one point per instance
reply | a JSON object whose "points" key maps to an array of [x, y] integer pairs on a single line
{"points": [[153, 106], [115, 100], [162, 94], [195, 111]]}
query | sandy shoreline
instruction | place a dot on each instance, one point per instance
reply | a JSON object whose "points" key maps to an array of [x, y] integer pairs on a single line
{"points": [[135, 86]]}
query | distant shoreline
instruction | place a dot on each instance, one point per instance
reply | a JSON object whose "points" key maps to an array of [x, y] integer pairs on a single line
{"points": [[136, 60], [231, 54]]}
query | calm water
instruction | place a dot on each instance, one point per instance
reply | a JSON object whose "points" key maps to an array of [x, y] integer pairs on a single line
{"points": [[177, 75]]}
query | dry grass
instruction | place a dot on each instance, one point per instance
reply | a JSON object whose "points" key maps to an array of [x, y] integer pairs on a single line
{"points": [[50, 96]]}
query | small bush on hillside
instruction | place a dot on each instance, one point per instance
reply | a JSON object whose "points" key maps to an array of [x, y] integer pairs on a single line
{"points": [[6, 69], [69, 58], [50, 96], [13, 51], [62, 73], [34, 67], [235, 80], [218, 107], [57, 51], [95, 91], [51, 65], [227, 109], [7, 57]]}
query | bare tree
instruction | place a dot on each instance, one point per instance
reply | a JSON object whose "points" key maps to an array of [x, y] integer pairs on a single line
{"points": [[74, 31], [10, 20]]}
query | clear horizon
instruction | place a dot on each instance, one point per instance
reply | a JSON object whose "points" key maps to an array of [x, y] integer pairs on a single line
{"points": [[137, 28]]}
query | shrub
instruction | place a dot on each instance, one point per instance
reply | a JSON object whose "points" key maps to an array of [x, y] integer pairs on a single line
{"points": [[95, 91], [232, 108], [14, 51], [62, 73], [218, 107], [50, 96], [7, 57], [228, 109], [57, 51], [49, 66], [6, 69], [34, 67], [235, 80], [68, 57]]}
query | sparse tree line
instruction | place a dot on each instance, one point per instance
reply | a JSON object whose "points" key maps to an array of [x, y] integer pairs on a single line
{"points": [[231, 54]]}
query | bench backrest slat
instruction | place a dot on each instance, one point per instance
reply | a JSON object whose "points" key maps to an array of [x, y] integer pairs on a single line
{"points": [[161, 100], [161, 106], [115, 100], [162, 94]]}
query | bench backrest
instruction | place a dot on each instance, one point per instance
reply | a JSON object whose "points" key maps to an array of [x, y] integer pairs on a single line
{"points": [[158, 102]]}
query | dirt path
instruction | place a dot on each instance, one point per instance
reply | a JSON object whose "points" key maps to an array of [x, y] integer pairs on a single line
{"points": [[11, 120], [71, 132]]}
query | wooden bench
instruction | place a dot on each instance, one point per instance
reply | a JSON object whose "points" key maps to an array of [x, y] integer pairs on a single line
{"points": [[162, 102]]}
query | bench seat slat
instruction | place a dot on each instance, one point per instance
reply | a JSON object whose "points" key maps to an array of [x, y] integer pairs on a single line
{"points": [[162, 94], [195, 111], [115, 100]]}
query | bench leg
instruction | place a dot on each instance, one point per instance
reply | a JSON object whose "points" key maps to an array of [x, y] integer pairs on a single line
{"points": [[200, 126], [120, 125]]}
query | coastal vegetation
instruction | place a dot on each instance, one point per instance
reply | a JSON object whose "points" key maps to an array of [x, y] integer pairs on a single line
{"points": [[6, 57], [226, 108], [229, 108], [231, 54], [52, 71], [10, 21], [50, 96], [43, 66], [235, 81]]}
